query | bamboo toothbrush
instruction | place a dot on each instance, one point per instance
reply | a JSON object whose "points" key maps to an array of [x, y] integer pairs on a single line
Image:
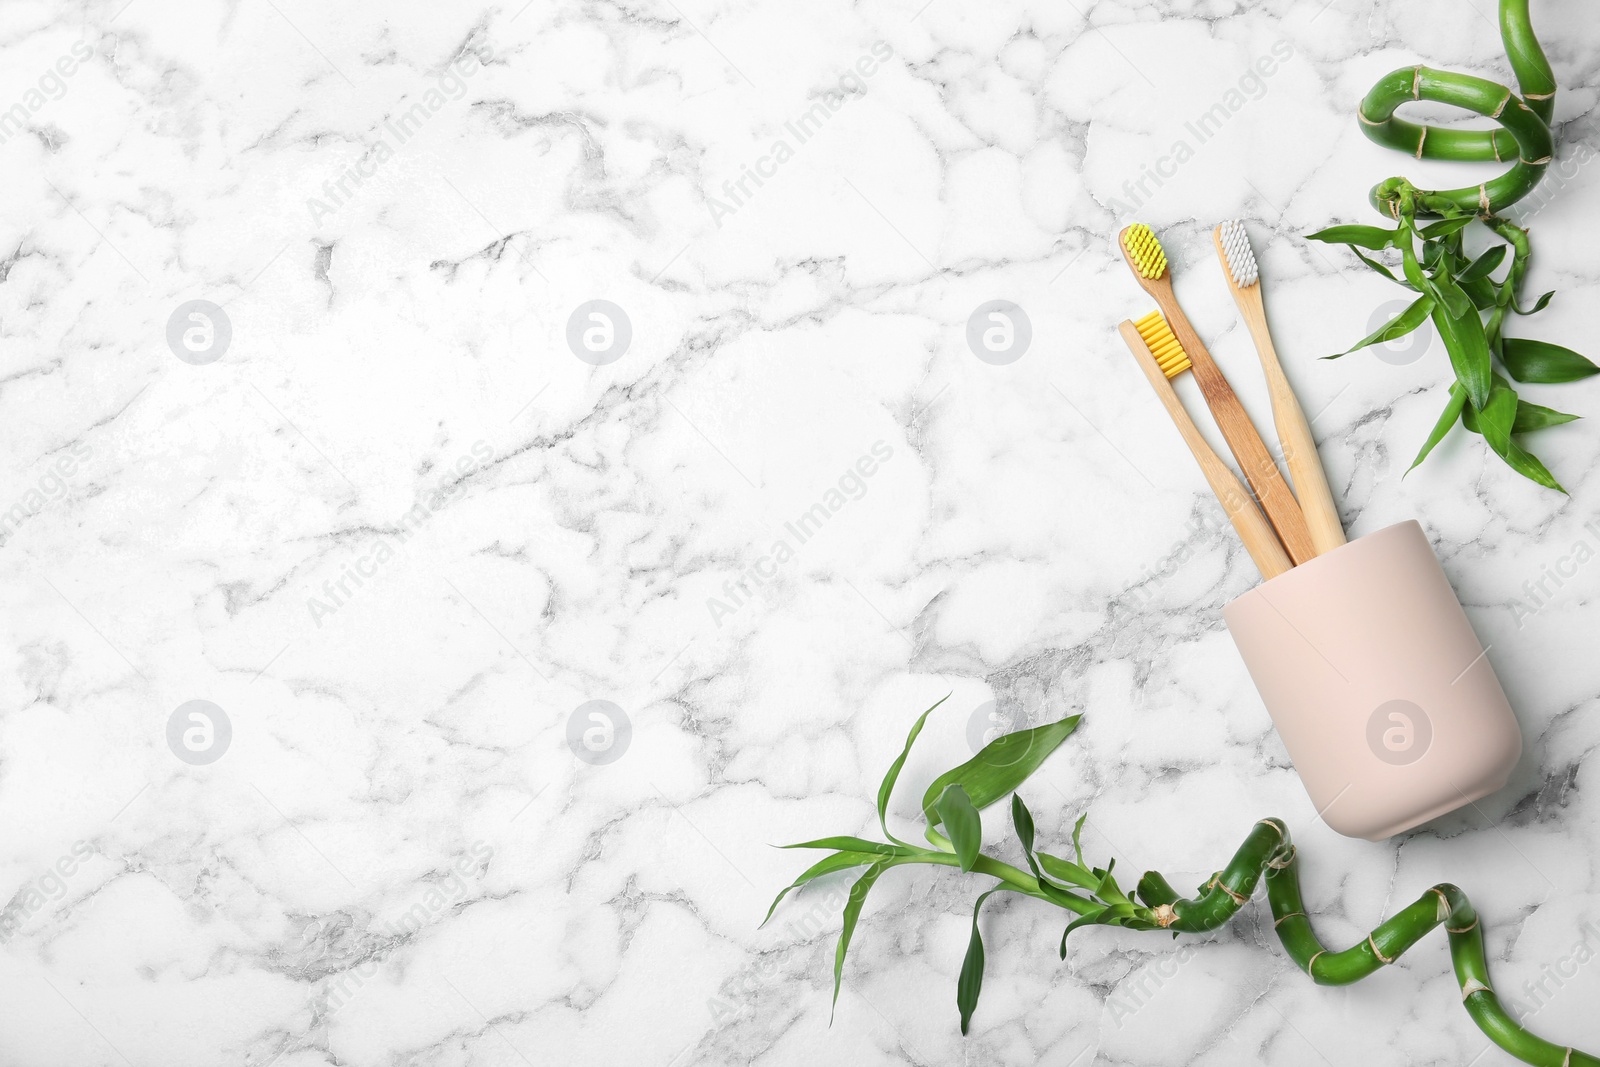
{"points": [[1149, 264], [1161, 358], [1294, 432]]}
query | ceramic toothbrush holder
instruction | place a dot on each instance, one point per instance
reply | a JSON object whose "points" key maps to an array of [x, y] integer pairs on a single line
{"points": [[1377, 684]]}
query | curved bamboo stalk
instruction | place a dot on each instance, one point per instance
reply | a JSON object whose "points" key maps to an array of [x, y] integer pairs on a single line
{"points": [[1524, 138], [1268, 853], [1092, 896], [1454, 291]]}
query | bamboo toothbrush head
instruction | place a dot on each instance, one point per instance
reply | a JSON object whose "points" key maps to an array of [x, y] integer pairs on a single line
{"points": [[1159, 338], [1144, 252], [1236, 251]]}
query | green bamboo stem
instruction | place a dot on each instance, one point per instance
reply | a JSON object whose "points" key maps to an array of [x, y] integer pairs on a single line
{"points": [[1524, 139], [1015, 880], [1268, 853], [1528, 62], [1092, 895]]}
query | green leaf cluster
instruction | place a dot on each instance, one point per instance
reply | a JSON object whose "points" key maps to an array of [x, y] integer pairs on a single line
{"points": [[953, 827], [951, 807], [1469, 306]]}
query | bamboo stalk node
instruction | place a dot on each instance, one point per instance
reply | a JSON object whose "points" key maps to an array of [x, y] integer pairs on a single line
{"points": [[1442, 912]]}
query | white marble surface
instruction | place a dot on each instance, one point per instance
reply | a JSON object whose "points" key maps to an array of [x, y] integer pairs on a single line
{"points": [[398, 859]]}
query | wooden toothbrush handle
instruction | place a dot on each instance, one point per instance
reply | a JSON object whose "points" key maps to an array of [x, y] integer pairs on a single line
{"points": [[1294, 432], [1260, 470], [1251, 525]]}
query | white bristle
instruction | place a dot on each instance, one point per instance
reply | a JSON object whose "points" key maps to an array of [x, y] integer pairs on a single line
{"points": [[1241, 258]]}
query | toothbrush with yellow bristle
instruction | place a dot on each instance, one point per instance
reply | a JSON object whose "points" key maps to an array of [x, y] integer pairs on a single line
{"points": [[1161, 357], [1294, 432], [1149, 263]]}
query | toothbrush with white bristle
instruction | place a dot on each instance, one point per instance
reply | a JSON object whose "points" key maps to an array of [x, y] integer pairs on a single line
{"points": [[1294, 432]]}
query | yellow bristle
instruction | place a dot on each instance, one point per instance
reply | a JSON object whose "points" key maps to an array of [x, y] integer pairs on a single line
{"points": [[1158, 337], [1148, 258]]}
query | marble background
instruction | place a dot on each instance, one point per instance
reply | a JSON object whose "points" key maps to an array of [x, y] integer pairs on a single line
{"points": [[373, 508]]}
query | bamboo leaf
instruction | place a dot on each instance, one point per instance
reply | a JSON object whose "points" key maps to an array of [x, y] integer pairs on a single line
{"points": [[1001, 766], [1495, 419], [1067, 871], [1495, 425], [856, 844], [1448, 293], [1413, 273], [1531, 417], [1538, 305], [1433, 253], [1483, 265], [852, 912], [1022, 819], [1087, 919], [1409, 319], [1372, 237], [1108, 888], [1446, 227], [1468, 347], [1111, 915], [1544, 363], [961, 822], [1379, 267], [1527, 464], [1044, 865], [894, 770], [839, 861], [1447, 419], [1480, 291], [970, 984], [1077, 837]]}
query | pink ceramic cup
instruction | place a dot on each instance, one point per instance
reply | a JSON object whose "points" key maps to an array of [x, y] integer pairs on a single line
{"points": [[1377, 684]]}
